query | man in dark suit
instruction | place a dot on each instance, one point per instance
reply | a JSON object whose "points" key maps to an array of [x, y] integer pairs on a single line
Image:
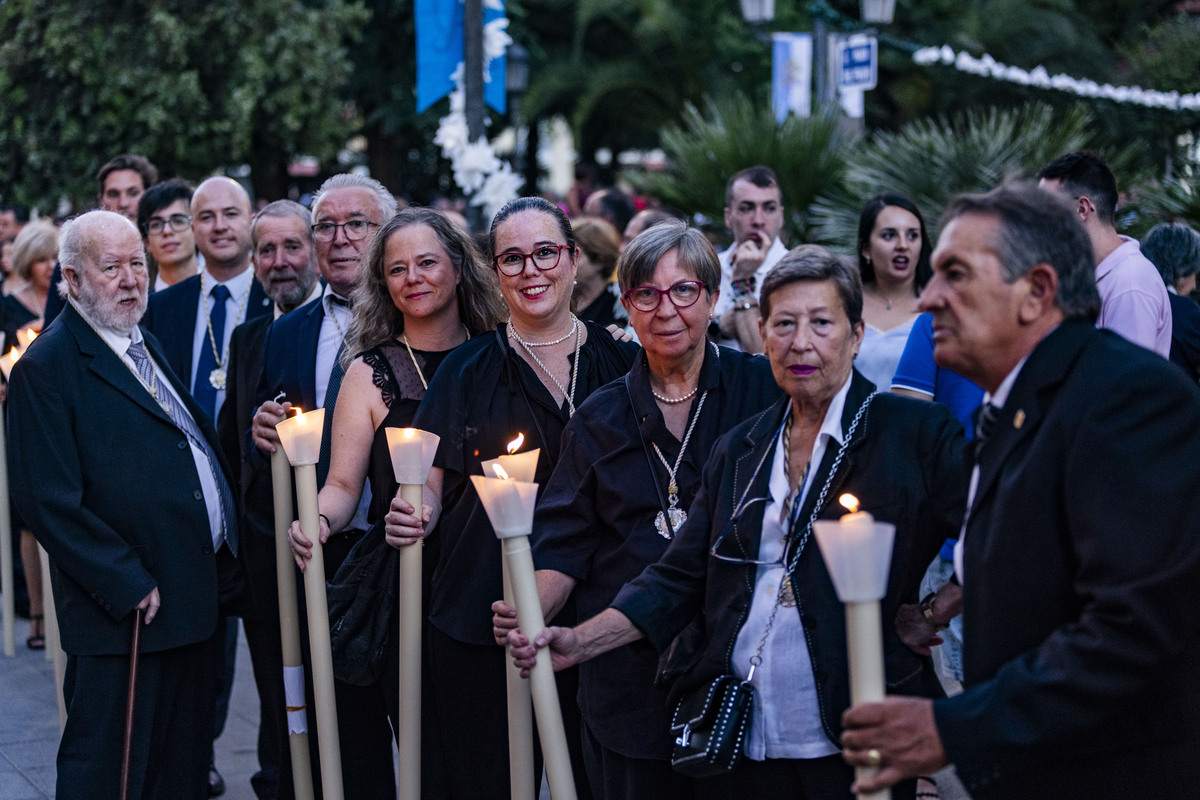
{"points": [[118, 473], [286, 266], [1080, 556], [301, 360], [194, 320]]}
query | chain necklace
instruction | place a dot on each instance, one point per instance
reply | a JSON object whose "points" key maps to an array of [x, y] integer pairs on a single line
{"points": [[569, 396], [677, 515], [559, 340], [787, 597], [217, 377], [408, 347]]}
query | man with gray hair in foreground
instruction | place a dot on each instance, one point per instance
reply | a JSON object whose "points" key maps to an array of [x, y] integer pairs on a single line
{"points": [[1079, 558], [117, 471]]}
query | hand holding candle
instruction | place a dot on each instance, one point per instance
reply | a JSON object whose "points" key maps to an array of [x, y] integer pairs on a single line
{"points": [[301, 440], [858, 554], [509, 505]]}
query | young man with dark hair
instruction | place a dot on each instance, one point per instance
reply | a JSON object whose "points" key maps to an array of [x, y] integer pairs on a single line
{"points": [[165, 220]]}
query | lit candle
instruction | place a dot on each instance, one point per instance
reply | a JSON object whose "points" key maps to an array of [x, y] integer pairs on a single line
{"points": [[289, 628], [520, 467], [858, 555], [412, 453], [509, 505], [301, 439], [7, 360], [25, 337]]}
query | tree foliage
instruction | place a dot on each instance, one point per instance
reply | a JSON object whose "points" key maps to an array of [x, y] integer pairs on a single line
{"points": [[808, 156], [192, 86], [931, 160]]}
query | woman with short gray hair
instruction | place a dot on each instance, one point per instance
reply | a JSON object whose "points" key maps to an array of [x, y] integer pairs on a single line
{"points": [[1174, 248]]}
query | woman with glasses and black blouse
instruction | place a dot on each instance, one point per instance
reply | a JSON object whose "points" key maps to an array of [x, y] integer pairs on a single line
{"points": [[744, 561], [630, 467], [527, 377]]}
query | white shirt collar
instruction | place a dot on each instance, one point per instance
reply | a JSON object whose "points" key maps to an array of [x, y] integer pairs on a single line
{"points": [[831, 430], [1000, 396], [237, 285]]}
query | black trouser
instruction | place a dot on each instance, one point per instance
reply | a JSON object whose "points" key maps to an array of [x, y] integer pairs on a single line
{"points": [[617, 777], [826, 778], [172, 730]]}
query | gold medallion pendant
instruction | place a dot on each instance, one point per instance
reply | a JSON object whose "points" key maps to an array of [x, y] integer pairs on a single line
{"points": [[217, 378]]}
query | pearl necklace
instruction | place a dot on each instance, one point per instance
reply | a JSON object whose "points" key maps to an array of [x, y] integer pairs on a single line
{"points": [[528, 346], [674, 400]]}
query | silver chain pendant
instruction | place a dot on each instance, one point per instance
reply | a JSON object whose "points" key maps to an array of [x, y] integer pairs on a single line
{"points": [[678, 517]]}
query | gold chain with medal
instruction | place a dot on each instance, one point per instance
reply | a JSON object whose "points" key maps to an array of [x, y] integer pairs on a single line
{"points": [[787, 596], [677, 515], [218, 376]]}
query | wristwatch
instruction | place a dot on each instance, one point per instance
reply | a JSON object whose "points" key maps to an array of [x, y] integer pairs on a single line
{"points": [[927, 610]]}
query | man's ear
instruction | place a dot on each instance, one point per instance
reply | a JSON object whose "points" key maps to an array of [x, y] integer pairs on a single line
{"points": [[71, 276], [1042, 281], [1085, 208]]}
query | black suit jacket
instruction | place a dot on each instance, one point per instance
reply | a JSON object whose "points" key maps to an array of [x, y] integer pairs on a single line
{"points": [[252, 486], [108, 485], [1082, 565], [171, 316], [290, 356], [905, 464]]}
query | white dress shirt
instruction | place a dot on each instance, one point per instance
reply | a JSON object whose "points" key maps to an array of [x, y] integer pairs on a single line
{"points": [[786, 721]]}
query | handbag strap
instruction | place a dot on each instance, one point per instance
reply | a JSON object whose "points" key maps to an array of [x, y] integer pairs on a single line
{"points": [[756, 659], [662, 501]]}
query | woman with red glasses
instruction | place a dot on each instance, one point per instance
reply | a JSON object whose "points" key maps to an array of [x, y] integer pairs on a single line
{"points": [[630, 466], [528, 377]]}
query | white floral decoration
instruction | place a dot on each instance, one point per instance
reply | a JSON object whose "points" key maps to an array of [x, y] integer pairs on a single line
{"points": [[488, 181], [986, 66]]}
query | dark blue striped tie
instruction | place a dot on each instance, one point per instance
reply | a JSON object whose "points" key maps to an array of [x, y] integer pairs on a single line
{"points": [[184, 421]]}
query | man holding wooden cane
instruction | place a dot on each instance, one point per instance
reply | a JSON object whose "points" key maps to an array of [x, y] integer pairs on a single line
{"points": [[119, 476]]}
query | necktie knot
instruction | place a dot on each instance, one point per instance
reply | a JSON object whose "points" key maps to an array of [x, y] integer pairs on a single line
{"points": [[220, 293], [985, 425]]}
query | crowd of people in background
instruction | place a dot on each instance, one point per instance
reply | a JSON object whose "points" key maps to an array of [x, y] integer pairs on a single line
{"points": [[1019, 397]]}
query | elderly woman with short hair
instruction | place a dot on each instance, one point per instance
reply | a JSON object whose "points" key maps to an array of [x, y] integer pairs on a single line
{"points": [[630, 466], [1174, 248], [744, 561], [33, 255]]}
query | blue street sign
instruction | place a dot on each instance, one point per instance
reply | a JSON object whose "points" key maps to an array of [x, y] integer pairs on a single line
{"points": [[858, 62]]}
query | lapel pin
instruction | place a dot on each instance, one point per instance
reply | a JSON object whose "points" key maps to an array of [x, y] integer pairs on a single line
{"points": [[1019, 418]]}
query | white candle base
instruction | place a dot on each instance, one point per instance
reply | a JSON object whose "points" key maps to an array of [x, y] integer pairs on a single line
{"points": [[864, 638]]}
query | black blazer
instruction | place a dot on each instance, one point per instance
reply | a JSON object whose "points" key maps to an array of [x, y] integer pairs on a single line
{"points": [[171, 316], [1082, 562], [253, 486], [905, 464], [108, 485], [290, 356]]}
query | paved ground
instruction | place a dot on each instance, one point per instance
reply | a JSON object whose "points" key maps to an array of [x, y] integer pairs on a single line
{"points": [[29, 726]]}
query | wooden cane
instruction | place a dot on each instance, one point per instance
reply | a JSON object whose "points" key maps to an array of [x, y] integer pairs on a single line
{"points": [[127, 749]]}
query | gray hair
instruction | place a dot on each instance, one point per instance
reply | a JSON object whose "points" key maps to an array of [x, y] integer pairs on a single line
{"points": [[636, 264], [283, 208], [810, 262], [348, 180], [77, 241], [1174, 248], [1038, 227]]}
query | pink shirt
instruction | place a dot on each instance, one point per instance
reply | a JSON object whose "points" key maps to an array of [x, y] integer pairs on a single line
{"points": [[1133, 298]]}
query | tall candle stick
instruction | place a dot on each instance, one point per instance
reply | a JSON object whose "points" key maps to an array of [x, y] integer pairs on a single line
{"points": [[301, 439], [412, 452], [289, 629], [858, 554], [509, 505], [521, 779]]}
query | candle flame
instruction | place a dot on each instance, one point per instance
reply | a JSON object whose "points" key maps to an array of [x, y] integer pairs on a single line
{"points": [[515, 444], [849, 502], [299, 413], [500, 473], [14, 354], [25, 336], [408, 433]]}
